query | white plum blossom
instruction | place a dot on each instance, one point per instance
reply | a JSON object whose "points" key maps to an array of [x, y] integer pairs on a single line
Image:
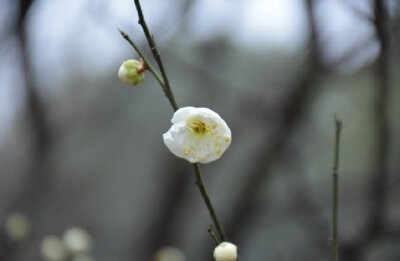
{"points": [[197, 135], [52, 249], [18, 226], [77, 240], [169, 253], [225, 252]]}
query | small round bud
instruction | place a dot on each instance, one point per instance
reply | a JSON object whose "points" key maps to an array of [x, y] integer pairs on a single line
{"points": [[169, 254], [52, 249], [131, 72], [225, 252], [77, 241], [18, 226]]}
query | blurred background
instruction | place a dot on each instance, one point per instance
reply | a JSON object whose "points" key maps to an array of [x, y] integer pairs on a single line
{"points": [[80, 149]]}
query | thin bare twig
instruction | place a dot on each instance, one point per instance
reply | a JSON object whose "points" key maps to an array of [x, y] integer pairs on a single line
{"points": [[170, 96], [156, 54], [212, 234], [335, 177]]}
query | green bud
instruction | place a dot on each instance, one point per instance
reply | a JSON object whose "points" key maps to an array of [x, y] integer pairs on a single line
{"points": [[131, 72]]}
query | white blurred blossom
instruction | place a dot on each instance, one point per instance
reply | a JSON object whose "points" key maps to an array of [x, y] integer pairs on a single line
{"points": [[225, 252], [52, 249], [77, 240], [197, 135], [169, 253], [18, 226]]}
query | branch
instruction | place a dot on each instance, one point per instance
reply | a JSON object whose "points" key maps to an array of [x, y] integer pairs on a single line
{"points": [[212, 235], [379, 180], [292, 110], [148, 64], [203, 190], [170, 96], [378, 184], [157, 56], [333, 239]]}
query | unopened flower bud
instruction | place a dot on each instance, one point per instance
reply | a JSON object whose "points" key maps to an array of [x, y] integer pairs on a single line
{"points": [[131, 72], [225, 252]]}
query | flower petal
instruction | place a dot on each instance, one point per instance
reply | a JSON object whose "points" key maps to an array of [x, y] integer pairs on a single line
{"points": [[174, 138], [182, 114]]}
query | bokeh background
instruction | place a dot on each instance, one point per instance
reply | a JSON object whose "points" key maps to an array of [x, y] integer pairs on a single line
{"points": [[78, 148]]}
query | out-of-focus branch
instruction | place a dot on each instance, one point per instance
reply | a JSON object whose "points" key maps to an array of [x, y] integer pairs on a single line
{"points": [[377, 189], [292, 111], [379, 179], [36, 117], [351, 52], [32, 189], [359, 12], [160, 232]]}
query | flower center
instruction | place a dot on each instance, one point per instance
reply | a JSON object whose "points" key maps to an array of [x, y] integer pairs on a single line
{"points": [[197, 127]]}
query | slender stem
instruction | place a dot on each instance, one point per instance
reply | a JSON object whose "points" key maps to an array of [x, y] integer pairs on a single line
{"points": [[203, 190], [168, 92], [334, 233], [148, 64], [212, 234], [157, 56]]}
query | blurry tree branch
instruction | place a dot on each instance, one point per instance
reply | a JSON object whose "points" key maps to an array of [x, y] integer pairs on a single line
{"points": [[377, 189], [35, 114], [32, 188], [359, 12], [351, 52], [291, 114], [160, 231], [379, 179]]}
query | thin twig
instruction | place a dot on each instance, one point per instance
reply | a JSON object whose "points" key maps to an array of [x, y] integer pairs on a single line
{"points": [[170, 96], [212, 234], [148, 64], [203, 190], [157, 56], [333, 239]]}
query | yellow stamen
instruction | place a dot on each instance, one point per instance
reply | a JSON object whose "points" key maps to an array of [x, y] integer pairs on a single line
{"points": [[198, 127]]}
